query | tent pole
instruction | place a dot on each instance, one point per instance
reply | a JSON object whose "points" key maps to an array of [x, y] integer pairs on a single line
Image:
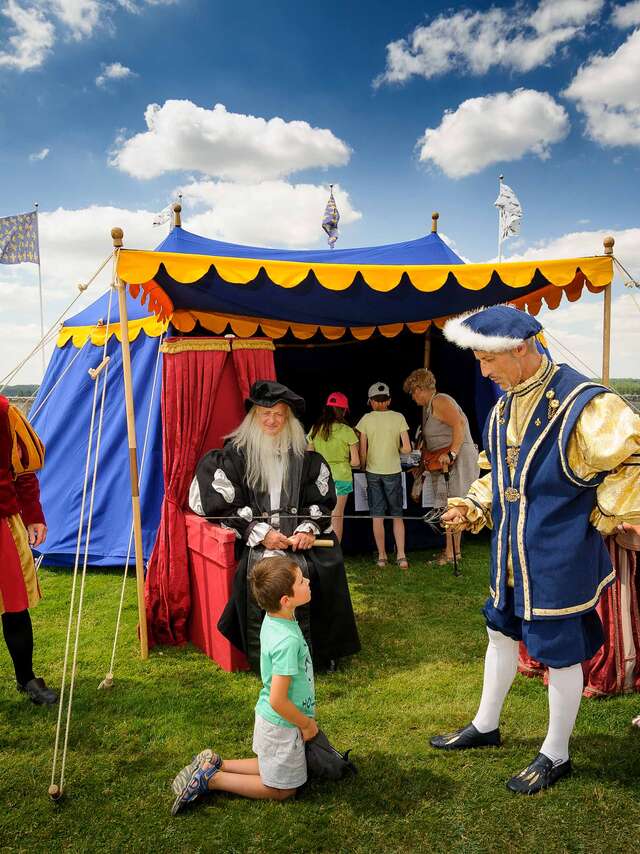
{"points": [[117, 235], [606, 320]]}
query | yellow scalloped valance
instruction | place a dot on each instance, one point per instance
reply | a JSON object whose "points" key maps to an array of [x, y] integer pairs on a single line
{"points": [[79, 335], [138, 266]]}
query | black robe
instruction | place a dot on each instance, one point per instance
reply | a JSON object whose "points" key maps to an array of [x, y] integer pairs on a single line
{"points": [[220, 489]]}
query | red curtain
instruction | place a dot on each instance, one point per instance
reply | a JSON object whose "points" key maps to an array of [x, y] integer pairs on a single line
{"points": [[253, 360], [615, 668], [190, 381]]}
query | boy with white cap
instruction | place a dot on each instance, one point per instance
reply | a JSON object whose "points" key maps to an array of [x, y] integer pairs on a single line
{"points": [[384, 434]]}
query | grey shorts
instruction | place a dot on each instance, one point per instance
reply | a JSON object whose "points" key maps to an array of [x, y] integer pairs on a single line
{"points": [[281, 755]]}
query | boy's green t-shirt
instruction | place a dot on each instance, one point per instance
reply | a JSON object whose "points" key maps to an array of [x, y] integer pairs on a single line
{"points": [[284, 652], [383, 429], [335, 449]]}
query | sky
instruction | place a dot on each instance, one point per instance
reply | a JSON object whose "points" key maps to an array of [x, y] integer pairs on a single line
{"points": [[109, 109]]}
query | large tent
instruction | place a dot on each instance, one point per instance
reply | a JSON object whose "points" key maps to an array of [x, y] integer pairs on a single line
{"points": [[322, 308]]}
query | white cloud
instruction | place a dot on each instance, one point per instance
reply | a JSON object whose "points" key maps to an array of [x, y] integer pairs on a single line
{"points": [[32, 37], [270, 213], [627, 15], [473, 41], [37, 24], [607, 91], [81, 17], [183, 136], [113, 71], [39, 155], [494, 129], [578, 326]]}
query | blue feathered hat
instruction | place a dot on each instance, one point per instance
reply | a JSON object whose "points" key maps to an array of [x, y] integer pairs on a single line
{"points": [[496, 329]]}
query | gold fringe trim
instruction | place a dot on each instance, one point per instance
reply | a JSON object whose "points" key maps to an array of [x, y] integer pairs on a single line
{"points": [[186, 345], [252, 344]]}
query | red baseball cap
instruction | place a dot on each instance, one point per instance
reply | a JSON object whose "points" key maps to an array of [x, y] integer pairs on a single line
{"points": [[337, 398]]}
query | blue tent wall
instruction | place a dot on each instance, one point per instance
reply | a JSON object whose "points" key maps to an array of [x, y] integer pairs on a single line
{"points": [[63, 424]]}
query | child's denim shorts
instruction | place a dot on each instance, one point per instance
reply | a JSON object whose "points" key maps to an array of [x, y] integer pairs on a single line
{"points": [[384, 494], [281, 755]]}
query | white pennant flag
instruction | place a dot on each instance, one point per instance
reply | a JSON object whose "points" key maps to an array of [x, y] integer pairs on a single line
{"points": [[510, 211], [164, 215]]}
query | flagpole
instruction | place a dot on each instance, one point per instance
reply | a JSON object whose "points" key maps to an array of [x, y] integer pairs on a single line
{"points": [[44, 367], [500, 177]]}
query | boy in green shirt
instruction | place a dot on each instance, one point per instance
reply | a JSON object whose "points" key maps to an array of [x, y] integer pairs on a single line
{"points": [[286, 706]]}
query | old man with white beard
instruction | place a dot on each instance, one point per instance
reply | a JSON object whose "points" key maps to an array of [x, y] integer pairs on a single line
{"points": [[277, 496]]}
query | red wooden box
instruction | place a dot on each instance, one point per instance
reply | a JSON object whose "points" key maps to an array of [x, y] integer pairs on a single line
{"points": [[212, 566]]}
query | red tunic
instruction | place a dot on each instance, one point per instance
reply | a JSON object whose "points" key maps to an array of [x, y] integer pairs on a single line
{"points": [[19, 507]]}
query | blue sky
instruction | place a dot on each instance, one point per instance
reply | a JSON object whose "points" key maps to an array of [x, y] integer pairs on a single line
{"points": [[421, 107]]}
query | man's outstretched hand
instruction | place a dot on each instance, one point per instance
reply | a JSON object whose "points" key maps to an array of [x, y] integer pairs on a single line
{"points": [[455, 519]]}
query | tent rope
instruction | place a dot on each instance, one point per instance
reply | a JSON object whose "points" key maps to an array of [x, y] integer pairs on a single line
{"points": [[52, 331], [107, 682], [56, 791], [32, 415]]}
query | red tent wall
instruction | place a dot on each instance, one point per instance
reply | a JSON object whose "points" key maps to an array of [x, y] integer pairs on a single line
{"points": [[204, 383]]}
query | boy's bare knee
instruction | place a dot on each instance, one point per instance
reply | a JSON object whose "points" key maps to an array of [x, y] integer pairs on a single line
{"points": [[281, 794]]}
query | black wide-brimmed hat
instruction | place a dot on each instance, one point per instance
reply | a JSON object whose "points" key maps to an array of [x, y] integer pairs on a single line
{"points": [[268, 393]]}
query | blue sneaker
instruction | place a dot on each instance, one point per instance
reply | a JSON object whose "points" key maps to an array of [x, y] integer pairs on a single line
{"points": [[183, 777], [198, 783]]}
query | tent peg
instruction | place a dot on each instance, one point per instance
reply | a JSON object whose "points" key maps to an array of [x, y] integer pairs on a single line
{"points": [[177, 215], [435, 216]]}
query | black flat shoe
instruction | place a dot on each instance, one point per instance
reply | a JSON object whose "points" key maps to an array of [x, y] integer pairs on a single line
{"points": [[463, 739], [38, 692], [540, 774], [332, 666]]}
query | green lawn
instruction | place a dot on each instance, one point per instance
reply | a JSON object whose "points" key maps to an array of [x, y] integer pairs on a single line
{"points": [[420, 673]]}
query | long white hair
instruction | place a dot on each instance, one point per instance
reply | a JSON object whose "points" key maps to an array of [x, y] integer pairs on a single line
{"points": [[268, 456]]}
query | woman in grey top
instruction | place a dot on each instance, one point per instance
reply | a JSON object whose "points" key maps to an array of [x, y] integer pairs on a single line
{"points": [[445, 426]]}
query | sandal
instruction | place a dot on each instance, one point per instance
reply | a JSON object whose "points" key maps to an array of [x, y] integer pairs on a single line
{"points": [[403, 563], [382, 562], [441, 560]]}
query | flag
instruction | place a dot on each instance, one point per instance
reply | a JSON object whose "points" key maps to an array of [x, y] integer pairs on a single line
{"points": [[19, 239], [164, 215], [510, 211], [330, 220]]}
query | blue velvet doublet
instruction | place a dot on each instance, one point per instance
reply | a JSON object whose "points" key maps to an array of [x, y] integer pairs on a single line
{"points": [[560, 563]]}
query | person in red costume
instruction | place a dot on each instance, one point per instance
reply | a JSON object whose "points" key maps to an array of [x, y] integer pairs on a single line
{"points": [[22, 525]]}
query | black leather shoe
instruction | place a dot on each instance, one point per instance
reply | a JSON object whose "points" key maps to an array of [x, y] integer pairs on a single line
{"points": [[38, 692], [463, 739], [540, 774]]}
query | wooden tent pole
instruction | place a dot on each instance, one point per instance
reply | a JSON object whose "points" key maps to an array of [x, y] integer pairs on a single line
{"points": [[117, 235], [606, 321]]}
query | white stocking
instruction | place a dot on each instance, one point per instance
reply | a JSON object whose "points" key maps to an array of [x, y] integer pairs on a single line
{"points": [[565, 693], [500, 666]]}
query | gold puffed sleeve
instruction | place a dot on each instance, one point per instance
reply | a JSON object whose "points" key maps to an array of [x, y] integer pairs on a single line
{"points": [[606, 437], [478, 499]]}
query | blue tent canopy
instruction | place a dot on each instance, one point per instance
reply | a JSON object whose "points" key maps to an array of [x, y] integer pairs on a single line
{"points": [[61, 414]]}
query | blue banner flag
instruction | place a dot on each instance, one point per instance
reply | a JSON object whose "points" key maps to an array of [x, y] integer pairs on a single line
{"points": [[19, 239], [330, 220]]}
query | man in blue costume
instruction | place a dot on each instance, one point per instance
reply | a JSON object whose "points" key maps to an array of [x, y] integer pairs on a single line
{"points": [[563, 460]]}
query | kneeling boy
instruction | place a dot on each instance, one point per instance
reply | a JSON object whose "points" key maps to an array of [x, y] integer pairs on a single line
{"points": [[285, 708]]}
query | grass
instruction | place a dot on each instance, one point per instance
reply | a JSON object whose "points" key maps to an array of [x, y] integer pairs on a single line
{"points": [[420, 673]]}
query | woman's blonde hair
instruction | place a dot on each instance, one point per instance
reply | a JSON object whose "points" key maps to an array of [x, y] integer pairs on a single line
{"points": [[421, 378]]}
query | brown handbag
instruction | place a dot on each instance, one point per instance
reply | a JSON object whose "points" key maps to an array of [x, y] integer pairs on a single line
{"points": [[430, 459]]}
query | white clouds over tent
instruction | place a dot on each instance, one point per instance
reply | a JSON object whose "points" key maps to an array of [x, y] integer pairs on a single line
{"points": [[183, 136], [494, 129]]}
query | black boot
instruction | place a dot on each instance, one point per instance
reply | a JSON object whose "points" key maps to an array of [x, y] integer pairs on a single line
{"points": [[38, 692], [467, 737], [540, 774]]}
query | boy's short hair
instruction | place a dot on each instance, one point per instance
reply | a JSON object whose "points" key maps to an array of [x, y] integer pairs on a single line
{"points": [[271, 579], [380, 398]]}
